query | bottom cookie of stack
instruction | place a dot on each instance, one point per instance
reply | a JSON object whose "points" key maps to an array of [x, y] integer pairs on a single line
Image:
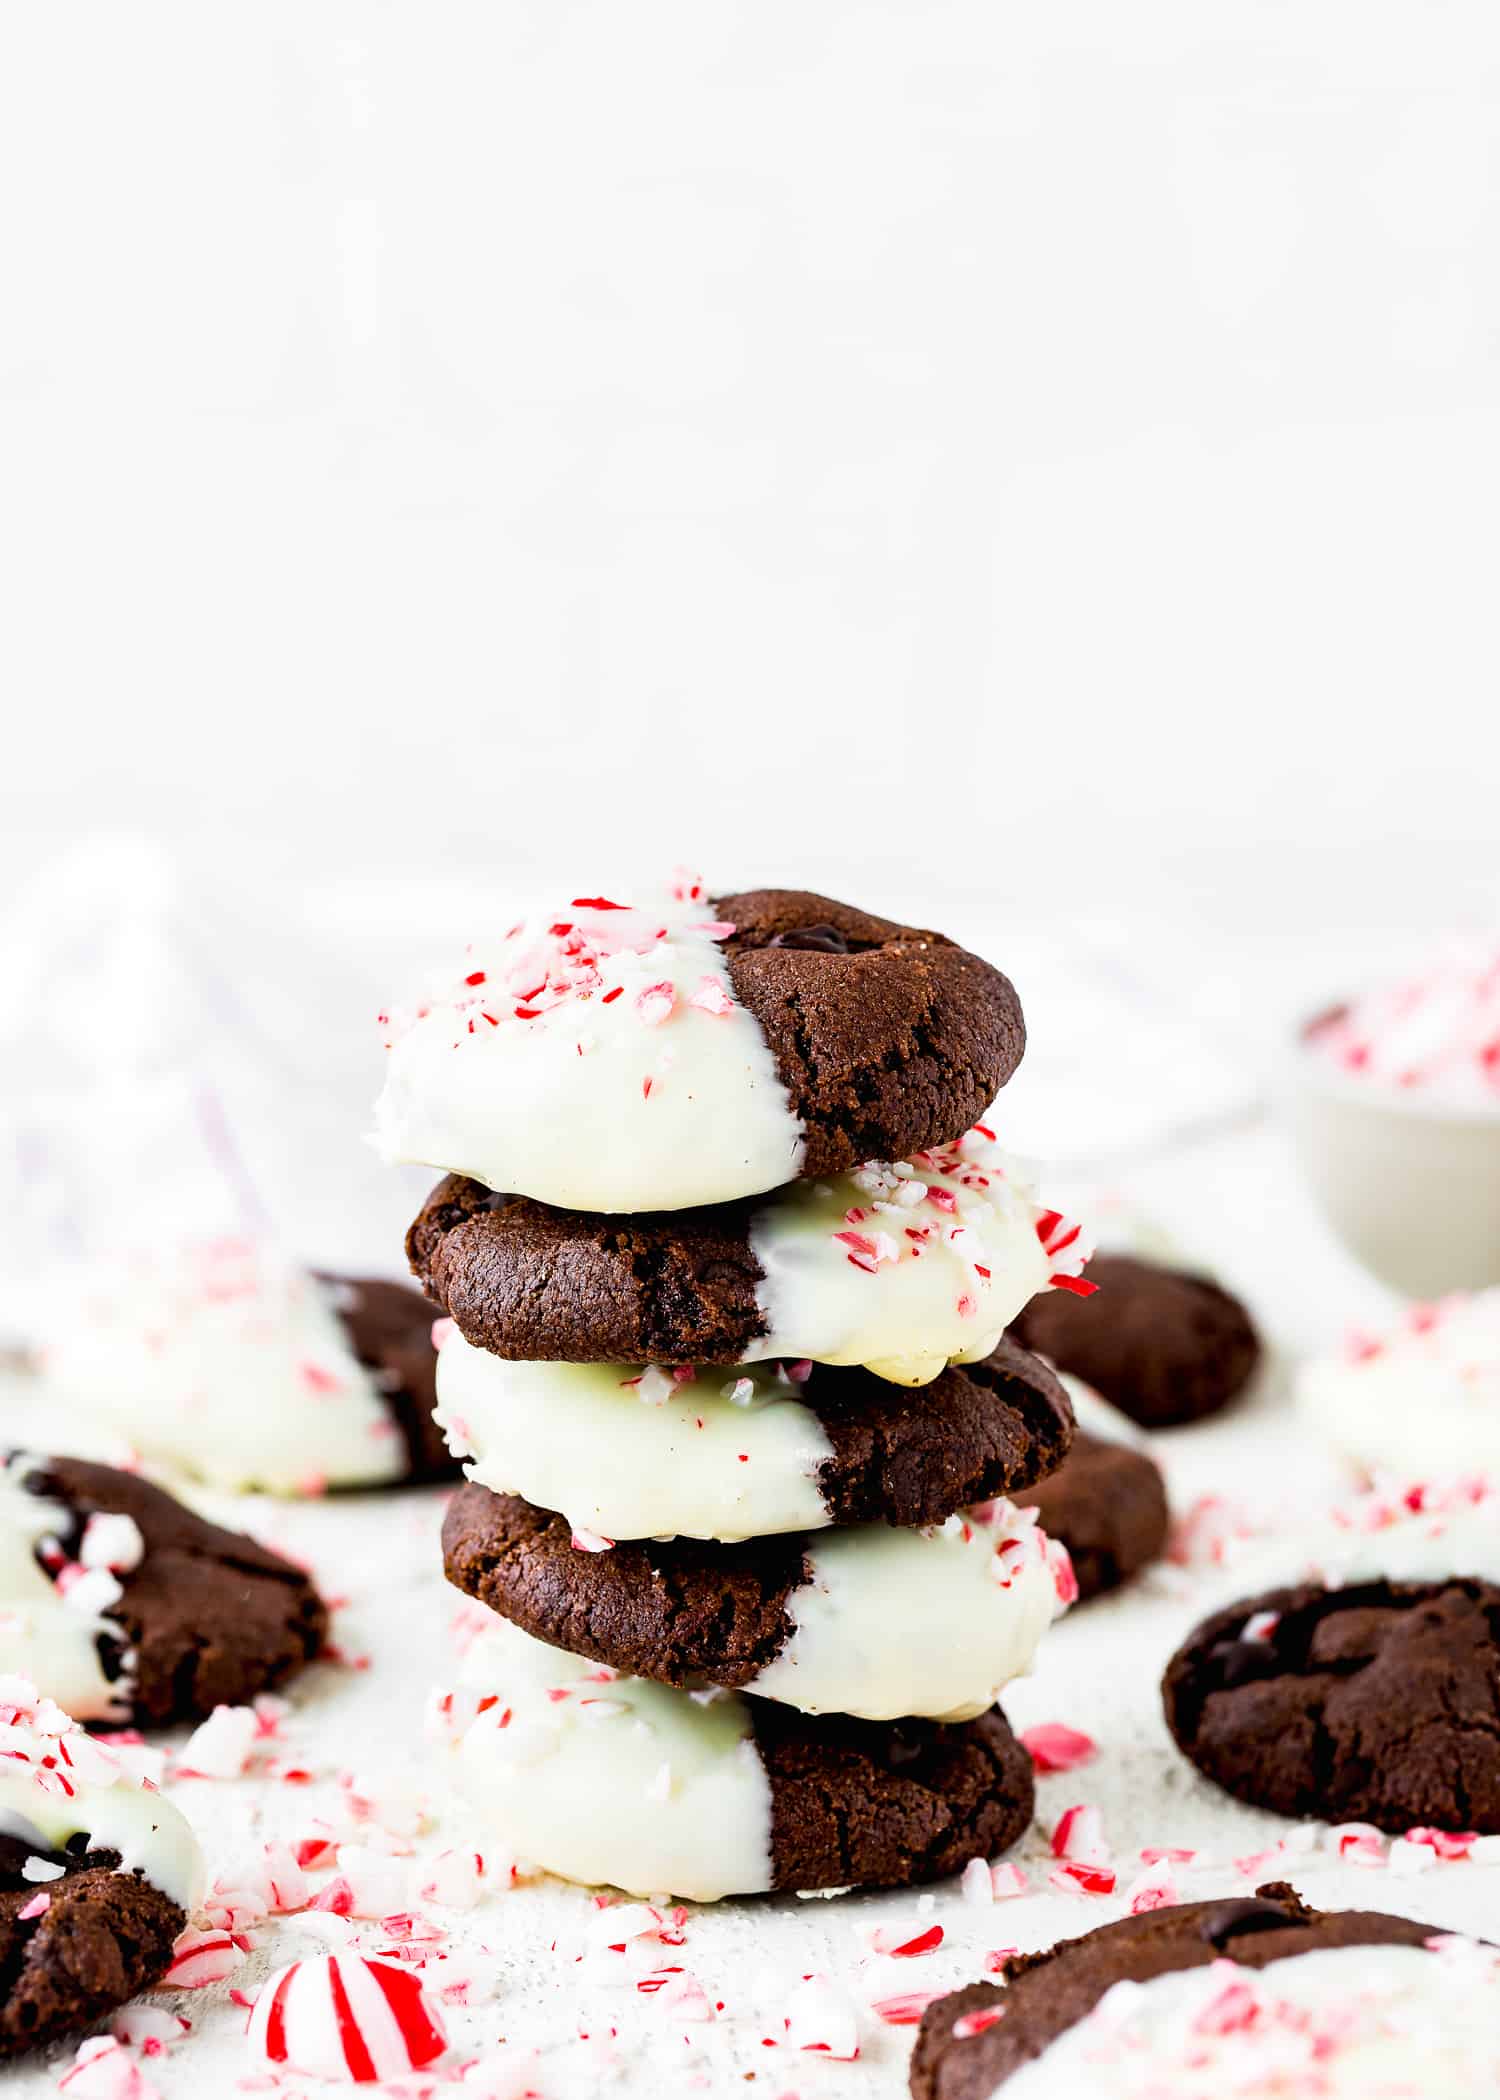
{"points": [[609, 1779]]}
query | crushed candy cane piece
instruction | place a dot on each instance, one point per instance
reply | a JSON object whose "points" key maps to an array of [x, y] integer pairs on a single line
{"points": [[220, 1747], [1054, 1747]]}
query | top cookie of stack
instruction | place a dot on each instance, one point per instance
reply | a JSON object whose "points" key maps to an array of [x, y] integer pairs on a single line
{"points": [[697, 1050]]}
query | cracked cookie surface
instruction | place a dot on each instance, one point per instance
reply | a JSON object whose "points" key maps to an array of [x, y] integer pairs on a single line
{"points": [[887, 1038], [1378, 1702]]}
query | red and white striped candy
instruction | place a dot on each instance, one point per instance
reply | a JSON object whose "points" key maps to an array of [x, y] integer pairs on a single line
{"points": [[340, 2016]]}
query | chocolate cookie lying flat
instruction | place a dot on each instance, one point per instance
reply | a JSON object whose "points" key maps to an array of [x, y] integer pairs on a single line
{"points": [[181, 1616], [1108, 1505], [1163, 1345], [877, 1621], [976, 2040], [1377, 1702], [638, 1452]]}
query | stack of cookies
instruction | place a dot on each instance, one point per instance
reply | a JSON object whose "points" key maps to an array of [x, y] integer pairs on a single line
{"points": [[728, 1261]]}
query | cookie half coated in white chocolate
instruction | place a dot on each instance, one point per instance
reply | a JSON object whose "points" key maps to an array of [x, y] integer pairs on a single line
{"points": [[58, 1785], [901, 1268], [876, 1621], [1419, 1402], [224, 1363], [652, 1451], [670, 1050], [604, 1778], [1340, 2023]]}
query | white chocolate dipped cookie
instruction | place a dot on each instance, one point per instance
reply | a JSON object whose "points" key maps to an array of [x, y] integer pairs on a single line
{"points": [[902, 1268], [228, 1364], [1419, 1402], [875, 1621], [650, 1451], [675, 1049], [605, 1778]]}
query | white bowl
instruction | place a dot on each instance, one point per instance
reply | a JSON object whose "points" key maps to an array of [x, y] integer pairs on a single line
{"points": [[1411, 1187]]}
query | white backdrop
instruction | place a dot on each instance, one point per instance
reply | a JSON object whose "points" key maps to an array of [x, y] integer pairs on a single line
{"points": [[1024, 447]]}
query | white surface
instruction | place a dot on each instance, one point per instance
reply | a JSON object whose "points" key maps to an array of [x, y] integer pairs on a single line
{"points": [[1097, 1670]]}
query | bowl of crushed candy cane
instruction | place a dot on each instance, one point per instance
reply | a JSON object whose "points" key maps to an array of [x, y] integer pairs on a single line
{"points": [[1394, 1108]]}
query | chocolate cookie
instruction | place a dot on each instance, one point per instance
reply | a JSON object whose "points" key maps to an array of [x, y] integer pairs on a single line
{"points": [[612, 1780], [1108, 1506], [644, 1453], [102, 1937], [887, 1038], [876, 1621], [622, 1057], [976, 2039], [131, 1607], [389, 1326], [1163, 1345], [903, 1267], [98, 1875], [1378, 1702]]}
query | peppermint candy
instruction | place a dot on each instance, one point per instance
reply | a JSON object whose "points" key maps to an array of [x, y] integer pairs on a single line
{"points": [[341, 2016]]}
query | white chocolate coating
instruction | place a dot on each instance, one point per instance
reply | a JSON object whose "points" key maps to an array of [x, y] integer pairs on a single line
{"points": [[56, 1782], [928, 1622], [618, 1781], [627, 1451], [228, 1365], [44, 1636], [907, 1267], [1344, 2023], [1422, 1402], [1383, 1543], [598, 1060]]}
